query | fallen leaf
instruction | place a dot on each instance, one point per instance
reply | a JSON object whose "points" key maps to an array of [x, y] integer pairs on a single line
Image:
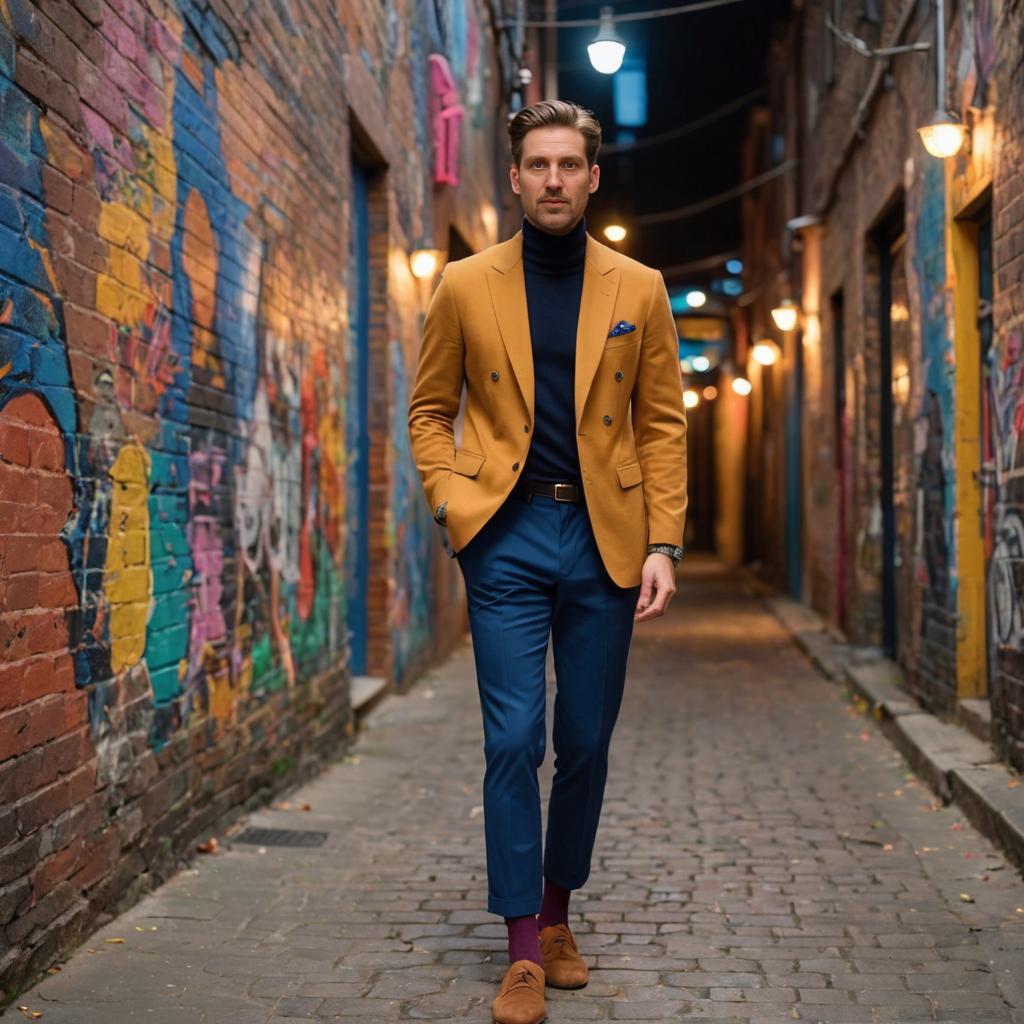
{"points": [[305, 807], [865, 735], [1013, 783], [966, 897], [282, 806], [352, 759], [31, 1014], [887, 847], [897, 792], [115, 941], [208, 847], [139, 929], [957, 826]]}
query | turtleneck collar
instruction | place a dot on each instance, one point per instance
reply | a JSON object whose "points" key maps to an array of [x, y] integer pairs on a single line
{"points": [[554, 254]]}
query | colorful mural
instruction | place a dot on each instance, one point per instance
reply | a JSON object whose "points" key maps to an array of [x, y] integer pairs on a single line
{"points": [[184, 324]]}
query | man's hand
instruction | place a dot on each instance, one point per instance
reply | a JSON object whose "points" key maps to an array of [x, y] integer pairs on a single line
{"points": [[659, 584]]}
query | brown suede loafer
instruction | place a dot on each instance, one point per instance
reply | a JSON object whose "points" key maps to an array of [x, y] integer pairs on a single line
{"points": [[521, 998], [563, 965]]}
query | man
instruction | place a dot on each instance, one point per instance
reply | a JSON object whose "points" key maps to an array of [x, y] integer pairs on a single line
{"points": [[565, 506]]}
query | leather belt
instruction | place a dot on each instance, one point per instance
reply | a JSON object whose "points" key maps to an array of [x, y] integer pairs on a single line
{"points": [[560, 492]]}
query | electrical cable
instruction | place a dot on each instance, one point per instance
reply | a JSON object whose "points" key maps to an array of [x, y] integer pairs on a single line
{"points": [[685, 129], [634, 16], [701, 205]]}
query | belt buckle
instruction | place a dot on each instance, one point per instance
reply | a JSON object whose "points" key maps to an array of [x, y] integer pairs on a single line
{"points": [[567, 487]]}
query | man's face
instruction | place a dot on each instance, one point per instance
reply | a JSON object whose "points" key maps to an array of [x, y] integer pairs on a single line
{"points": [[553, 180]]}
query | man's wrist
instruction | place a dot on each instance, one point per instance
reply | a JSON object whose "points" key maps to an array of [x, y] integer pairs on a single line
{"points": [[674, 551]]}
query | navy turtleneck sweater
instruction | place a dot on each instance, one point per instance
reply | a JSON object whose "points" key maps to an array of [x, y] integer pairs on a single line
{"points": [[553, 268]]}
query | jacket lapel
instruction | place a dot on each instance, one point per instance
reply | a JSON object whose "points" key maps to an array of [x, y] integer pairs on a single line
{"points": [[600, 287], [507, 286], [508, 296]]}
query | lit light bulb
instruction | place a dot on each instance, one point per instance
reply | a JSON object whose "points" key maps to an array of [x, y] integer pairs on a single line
{"points": [[607, 49], [710, 393], [690, 398], [615, 232], [784, 315], [765, 352], [701, 364], [742, 386], [943, 136], [696, 298], [424, 262]]}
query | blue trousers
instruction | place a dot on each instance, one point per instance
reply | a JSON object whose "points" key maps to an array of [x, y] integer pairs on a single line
{"points": [[532, 572]]}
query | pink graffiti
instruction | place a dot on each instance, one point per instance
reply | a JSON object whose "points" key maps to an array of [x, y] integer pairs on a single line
{"points": [[208, 626]]}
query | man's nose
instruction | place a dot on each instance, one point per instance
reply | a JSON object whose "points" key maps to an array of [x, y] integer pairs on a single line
{"points": [[553, 182]]}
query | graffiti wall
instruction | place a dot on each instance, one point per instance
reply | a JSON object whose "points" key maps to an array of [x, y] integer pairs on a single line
{"points": [[177, 438]]}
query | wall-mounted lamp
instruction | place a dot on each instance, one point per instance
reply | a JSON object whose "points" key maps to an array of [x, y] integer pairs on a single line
{"points": [[943, 135], [424, 263], [615, 232], [785, 314], [607, 49], [765, 352]]}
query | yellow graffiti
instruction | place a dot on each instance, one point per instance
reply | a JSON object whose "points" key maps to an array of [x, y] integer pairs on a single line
{"points": [[125, 228], [199, 258], [127, 579]]}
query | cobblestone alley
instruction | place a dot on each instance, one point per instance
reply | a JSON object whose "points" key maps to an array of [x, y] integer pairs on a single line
{"points": [[765, 855]]}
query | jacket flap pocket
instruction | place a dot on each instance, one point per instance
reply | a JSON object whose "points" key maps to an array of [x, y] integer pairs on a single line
{"points": [[468, 463], [629, 474]]}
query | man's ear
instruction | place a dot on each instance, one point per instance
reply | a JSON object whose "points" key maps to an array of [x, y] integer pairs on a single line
{"points": [[513, 176], [595, 179]]}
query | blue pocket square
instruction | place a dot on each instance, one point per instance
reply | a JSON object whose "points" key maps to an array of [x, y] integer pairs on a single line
{"points": [[622, 327]]}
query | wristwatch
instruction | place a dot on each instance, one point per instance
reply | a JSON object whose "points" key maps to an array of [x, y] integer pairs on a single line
{"points": [[441, 514], [672, 550]]}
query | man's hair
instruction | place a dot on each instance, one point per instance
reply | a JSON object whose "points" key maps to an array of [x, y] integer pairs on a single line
{"points": [[555, 114]]}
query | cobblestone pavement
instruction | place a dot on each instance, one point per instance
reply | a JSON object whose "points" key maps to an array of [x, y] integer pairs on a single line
{"points": [[765, 855]]}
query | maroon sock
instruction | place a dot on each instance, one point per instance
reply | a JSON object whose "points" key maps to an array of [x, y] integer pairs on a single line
{"points": [[523, 939], [554, 906]]}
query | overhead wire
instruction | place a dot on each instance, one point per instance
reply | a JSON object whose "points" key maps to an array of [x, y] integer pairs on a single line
{"points": [[668, 12]]}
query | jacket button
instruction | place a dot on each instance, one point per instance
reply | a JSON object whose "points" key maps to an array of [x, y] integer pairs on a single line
{"points": [[607, 421], [515, 466], [618, 375], [495, 375]]}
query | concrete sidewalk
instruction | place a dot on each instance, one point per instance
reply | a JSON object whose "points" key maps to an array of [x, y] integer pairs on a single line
{"points": [[765, 855]]}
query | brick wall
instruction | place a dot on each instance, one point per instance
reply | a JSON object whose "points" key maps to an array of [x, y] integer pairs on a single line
{"points": [[861, 161], [176, 442]]}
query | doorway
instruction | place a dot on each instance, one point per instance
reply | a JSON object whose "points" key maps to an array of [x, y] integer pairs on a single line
{"points": [[896, 433], [357, 555]]}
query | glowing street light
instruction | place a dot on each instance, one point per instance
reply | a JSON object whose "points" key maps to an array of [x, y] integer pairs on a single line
{"points": [[424, 262], [943, 135], [615, 232], [607, 49], [710, 393], [696, 298], [701, 364], [690, 398], [765, 352], [784, 315], [742, 386]]}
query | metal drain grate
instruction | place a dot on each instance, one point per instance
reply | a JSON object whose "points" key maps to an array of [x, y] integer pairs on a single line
{"points": [[280, 837]]}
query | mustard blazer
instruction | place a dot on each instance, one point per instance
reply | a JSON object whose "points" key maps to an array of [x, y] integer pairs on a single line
{"points": [[630, 419]]}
